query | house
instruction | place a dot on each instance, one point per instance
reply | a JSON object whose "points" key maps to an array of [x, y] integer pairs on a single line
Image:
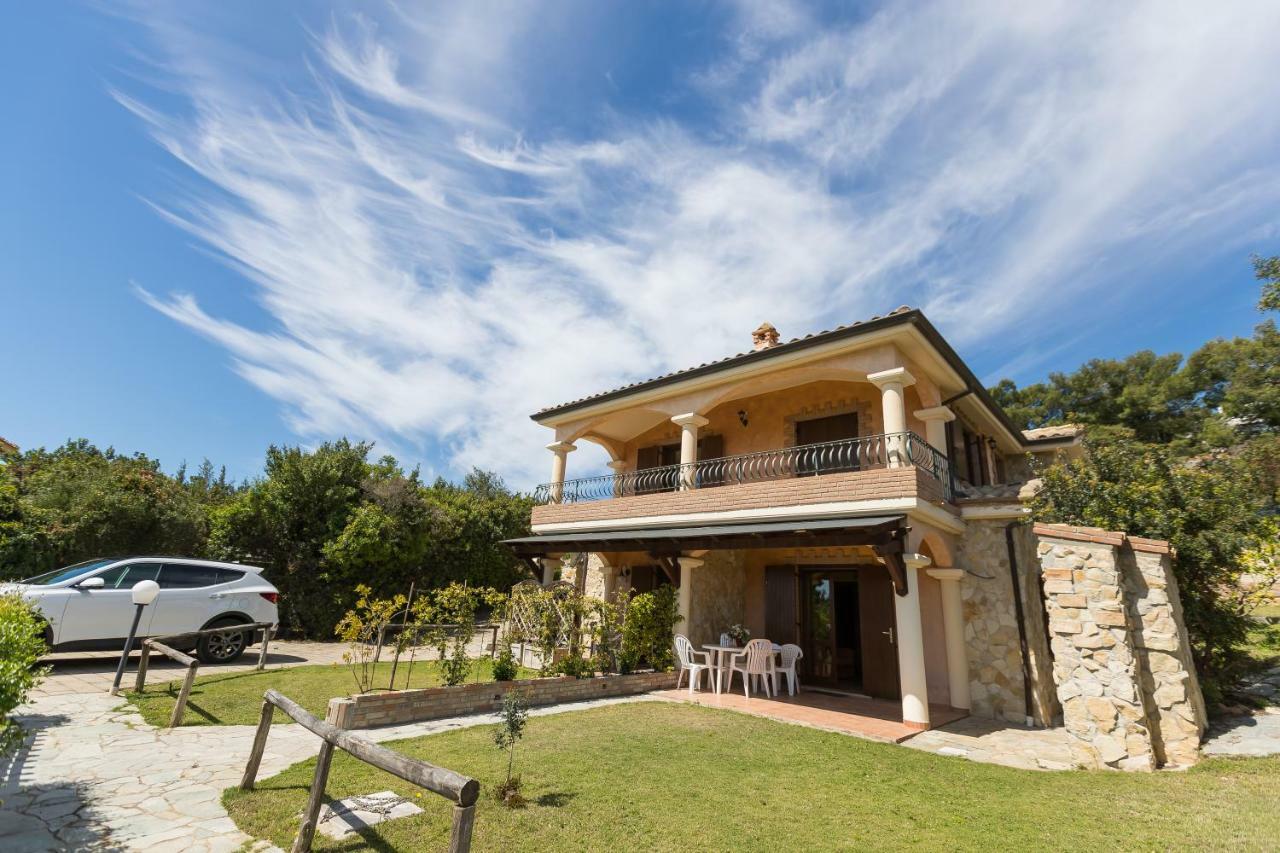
{"points": [[7, 447], [858, 492]]}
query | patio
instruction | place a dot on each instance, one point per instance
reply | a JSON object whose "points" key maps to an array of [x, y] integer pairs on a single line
{"points": [[875, 719]]}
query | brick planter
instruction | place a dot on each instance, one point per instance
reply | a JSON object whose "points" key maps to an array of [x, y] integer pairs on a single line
{"points": [[433, 703]]}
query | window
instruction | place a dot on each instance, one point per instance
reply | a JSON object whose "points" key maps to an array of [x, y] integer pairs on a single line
{"points": [[177, 576], [229, 575], [66, 573], [665, 457], [124, 577]]}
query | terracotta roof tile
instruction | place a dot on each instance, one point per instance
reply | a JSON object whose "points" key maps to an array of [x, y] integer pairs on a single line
{"points": [[1059, 431]]}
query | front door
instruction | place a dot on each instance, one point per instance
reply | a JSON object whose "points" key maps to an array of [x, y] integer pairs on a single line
{"points": [[878, 633]]}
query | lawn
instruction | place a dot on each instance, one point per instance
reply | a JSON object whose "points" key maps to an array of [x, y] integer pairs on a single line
{"points": [[680, 777], [235, 698], [1263, 645]]}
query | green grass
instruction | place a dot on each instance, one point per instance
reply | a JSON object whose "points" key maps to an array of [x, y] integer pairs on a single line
{"points": [[235, 698], [1263, 645], [679, 777], [1268, 610]]}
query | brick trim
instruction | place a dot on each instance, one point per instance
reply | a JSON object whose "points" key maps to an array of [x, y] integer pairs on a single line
{"points": [[1073, 533]]}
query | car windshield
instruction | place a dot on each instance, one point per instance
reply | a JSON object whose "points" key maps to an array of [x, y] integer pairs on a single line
{"points": [[67, 573]]}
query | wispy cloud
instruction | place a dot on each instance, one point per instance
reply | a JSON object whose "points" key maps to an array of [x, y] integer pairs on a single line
{"points": [[433, 263]]}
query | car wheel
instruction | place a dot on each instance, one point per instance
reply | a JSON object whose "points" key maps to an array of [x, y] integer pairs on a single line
{"points": [[222, 647]]}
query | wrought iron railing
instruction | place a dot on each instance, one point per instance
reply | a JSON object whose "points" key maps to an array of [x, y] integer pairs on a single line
{"points": [[832, 457]]}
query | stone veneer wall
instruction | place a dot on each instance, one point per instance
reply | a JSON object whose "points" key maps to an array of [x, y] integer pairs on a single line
{"points": [[1122, 662], [719, 596], [1170, 687], [991, 627], [433, 703]]}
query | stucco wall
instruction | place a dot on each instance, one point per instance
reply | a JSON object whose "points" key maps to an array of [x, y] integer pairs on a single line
{"points": [[771, 416]]}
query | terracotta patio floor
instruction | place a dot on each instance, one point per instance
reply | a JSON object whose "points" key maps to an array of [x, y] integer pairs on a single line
{"points": [[876, 719]]}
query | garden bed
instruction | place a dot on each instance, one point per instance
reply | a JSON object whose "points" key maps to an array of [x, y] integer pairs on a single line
{"points": [[666, 776], [433, 703], [235, 698]]}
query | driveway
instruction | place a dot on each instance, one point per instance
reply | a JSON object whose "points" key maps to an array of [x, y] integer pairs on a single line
{"points": [[92, 672]]}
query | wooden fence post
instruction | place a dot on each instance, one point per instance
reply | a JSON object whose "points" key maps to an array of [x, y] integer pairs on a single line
{"points": [[141, 684], [302, 844], [180, 708], [259, 746], [464, 820], [262, 655]]}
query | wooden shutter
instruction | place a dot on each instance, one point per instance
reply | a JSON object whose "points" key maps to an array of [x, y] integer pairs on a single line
{"points": [[780, 604], [711, 447], [648, 457]]}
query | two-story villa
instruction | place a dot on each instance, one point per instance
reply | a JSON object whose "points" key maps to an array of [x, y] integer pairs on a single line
{"points": [[854, 491]]}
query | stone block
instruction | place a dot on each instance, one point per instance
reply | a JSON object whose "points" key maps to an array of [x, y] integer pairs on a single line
{"points": [[1071, 600], [1064, 626]]}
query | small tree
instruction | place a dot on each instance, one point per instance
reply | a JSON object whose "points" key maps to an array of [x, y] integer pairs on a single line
{"points": [[359, 629], [21, 645], [515, 715]]}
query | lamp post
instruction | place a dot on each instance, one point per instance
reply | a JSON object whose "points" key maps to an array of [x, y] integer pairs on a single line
{"points": [[143, 593]]}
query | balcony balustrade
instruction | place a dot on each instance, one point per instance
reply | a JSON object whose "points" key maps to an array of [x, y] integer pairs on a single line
{"points": [[904, 449]]}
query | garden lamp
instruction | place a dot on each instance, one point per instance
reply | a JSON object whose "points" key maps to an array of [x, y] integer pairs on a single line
{"points": [[143, 593]]}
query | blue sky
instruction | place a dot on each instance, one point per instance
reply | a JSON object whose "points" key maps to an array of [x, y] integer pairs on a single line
{"points": [[232, 224]]}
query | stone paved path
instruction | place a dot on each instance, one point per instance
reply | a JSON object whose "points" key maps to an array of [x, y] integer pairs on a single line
{"points": [[1255, 734], [95, 776], [993, 742]]}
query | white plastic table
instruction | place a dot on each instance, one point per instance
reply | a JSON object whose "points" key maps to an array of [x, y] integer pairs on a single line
{"points": [[720, 659]]}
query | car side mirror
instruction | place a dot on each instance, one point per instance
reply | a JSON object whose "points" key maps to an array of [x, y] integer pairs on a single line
{"points": [[91, 583]]}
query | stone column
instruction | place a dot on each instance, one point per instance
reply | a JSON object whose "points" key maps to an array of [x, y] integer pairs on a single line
{"points": [[561, 449], [911, 670], [1094, 665], [689, 425], [935, 427], [685, 597], [892, 384], [549, 567], [953, 628]]}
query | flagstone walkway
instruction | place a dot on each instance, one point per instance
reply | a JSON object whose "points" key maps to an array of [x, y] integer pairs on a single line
{"points": [[95, 776]]}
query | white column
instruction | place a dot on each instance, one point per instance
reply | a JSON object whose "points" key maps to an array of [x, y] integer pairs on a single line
{"points": [[561, 449], [935, 427], [685, 597], [689, 424], [549, 567], [953, 626], [892, 384], [911, 671], [619, 467]]}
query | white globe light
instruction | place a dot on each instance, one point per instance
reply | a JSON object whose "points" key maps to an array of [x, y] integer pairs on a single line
{"points": [[145, 592]]}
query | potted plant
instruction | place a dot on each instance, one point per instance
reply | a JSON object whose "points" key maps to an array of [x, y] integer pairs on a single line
{"points": [[739, 634]]}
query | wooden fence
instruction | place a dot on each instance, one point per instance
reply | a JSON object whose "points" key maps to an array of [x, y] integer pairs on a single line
{"points": [[191, 663], [462, 791]]}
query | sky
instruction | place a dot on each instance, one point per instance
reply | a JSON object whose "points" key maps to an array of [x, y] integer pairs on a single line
{"points": [[226, 225]]}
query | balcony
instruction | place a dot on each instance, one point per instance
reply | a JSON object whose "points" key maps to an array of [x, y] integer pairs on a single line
{"points": [[893, 465]]}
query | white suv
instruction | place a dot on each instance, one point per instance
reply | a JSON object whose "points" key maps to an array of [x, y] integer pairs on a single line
{"points": [[88, 607]]}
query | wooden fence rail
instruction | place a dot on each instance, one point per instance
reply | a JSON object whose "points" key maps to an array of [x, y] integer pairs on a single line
{"points": [[192, 664], [462, 791]]}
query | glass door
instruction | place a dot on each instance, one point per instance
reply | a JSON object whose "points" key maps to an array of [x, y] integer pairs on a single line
{"points": [[818, 630]]}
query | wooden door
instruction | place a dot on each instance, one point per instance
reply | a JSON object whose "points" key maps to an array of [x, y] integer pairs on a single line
{"points": [[780, 604], [878, 633]]}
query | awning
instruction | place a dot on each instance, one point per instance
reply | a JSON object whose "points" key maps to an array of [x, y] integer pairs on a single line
{"points": [[884, 533]]}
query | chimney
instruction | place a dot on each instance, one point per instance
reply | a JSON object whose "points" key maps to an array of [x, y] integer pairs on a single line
{"points": [[764, 337]]}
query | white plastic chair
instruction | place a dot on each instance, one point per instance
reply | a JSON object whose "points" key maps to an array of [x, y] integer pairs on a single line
{"points": [[786, 665], [755, 660], [688, 662]]}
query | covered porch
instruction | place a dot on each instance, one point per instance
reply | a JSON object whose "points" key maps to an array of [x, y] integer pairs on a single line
{"points": [[880, 659]]}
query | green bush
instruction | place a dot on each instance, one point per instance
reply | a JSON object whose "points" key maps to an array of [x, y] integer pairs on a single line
{"points": [[647, 630], [21, 645], [504, 665]]}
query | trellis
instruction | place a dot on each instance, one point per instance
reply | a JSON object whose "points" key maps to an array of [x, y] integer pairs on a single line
{"points": [[527, 613]]}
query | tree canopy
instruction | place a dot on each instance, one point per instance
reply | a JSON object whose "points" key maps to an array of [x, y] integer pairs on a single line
{"points": [[320, 521]]}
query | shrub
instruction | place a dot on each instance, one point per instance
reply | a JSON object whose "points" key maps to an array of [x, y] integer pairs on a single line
{"points": [[504, 665], [647, 630], [359, 630], [21, 645]]}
